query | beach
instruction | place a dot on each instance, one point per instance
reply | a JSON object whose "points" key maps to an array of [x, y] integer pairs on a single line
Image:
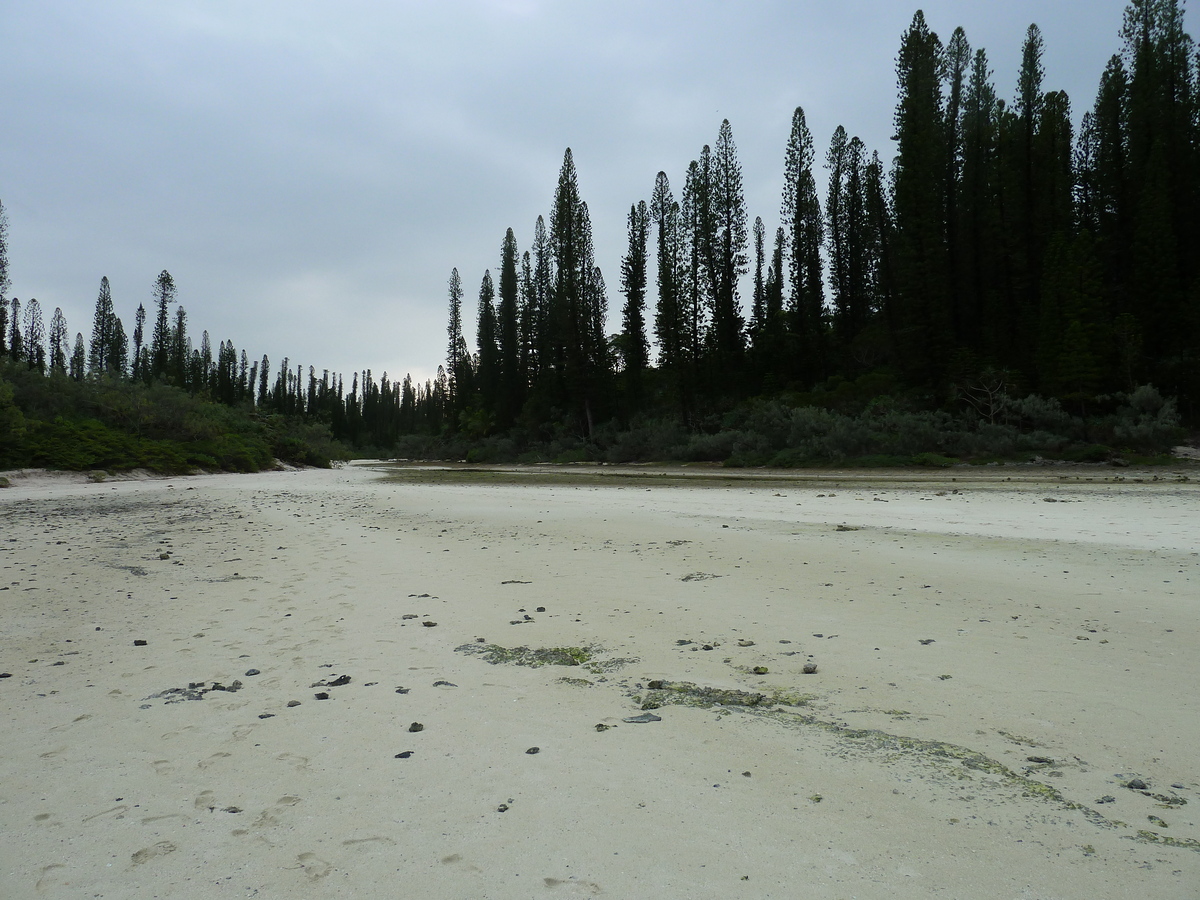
{"points": [[976, 682]]}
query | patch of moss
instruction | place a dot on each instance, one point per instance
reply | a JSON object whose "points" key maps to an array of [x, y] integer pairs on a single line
{"points": [[684, 693], [578, 682], [1153, 837], [524, 656]]}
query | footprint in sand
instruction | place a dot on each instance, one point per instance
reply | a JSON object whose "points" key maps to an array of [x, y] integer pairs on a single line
{"points": [[162, 848], [50, 877], [299, 763], [455, 859], [163, 767], [367, 843], [212, 760], [571, 887], [206, 800], [314, 867]]}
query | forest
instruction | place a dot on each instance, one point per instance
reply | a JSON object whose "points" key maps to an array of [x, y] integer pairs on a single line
{"points": [[1010, 286]]}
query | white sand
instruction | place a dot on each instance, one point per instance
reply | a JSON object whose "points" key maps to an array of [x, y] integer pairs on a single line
{"points": [[1067, 630]]}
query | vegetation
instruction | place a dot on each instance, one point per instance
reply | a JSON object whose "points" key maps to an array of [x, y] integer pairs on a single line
{"points": [[1008, 288]]}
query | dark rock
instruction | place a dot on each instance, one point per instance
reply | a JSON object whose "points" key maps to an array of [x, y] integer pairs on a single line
{"points": [[292, 703], [232, 809], [266, 715], [809, 669], [642, 719], [503, 807], [1107, 798], [759, 670], [339, 681], [1136, 784], [415, 727], [532, 750], [403, 690], [444, 684], [410, 616], [1044, 760], [600, 726], [250, 672], [683, 643], [655, 685], [540, 609], [429, 624], [139, 643], [707, 647], [405, 755], [5, 674], [322, 695], [925, 641]]}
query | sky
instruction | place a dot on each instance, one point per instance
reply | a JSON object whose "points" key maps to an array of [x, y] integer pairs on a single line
{"points": [[310, 172]]}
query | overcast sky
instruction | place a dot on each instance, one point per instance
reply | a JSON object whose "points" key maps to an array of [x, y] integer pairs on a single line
{"points": [[310, 172]]}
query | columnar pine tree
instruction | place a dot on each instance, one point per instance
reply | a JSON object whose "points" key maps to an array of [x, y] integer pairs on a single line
{"points": [[487, 371], [455, 344], [160, 343], [16, 342], [510, 393], [102, 330], [35, 336], [730, 239], [78, 366], [634, 348], [802, 222], [59, 336]]}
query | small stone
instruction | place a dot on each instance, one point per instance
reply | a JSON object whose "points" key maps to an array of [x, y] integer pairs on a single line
{"points": [[760, 670], [745, 643], [429, 624], [1044, 760], [340, 681], [656, 685], [600, 726], [643, 719], [747, 774], [534, 750], [1136, 784], [403, 690], [266, 715], [503, 807], [707, 647], [292, 703], [540, 609], [250, 672], [1107, 798], [925, 641], [322, 695], [5, 674], [415, 727], [405, 755], [139, 643], [809, 669], [409, 616], [444, 684]]}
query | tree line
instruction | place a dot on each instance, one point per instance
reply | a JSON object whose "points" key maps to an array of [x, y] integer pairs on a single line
{"points": [[1001, 253], [1001, 249]]}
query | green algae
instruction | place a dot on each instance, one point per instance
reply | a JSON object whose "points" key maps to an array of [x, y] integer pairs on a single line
{"points": [[525, 656]]}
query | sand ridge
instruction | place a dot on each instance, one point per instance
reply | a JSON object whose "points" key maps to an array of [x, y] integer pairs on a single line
{"points": [[991, 668]]}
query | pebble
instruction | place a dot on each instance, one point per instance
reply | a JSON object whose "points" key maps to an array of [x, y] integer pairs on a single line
{"points": [[415, 727], [322, 695], [403, 690], [532, 750], [292, 703], [1136, 784], [266, 715], [405, 755], [250, 672], [444, 684], [809, 669], [428, 624], [139, 643], [643, 719], [600, 726]]}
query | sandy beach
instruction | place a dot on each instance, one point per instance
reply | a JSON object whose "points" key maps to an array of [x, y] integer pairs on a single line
{"points": [[1005, 702]]}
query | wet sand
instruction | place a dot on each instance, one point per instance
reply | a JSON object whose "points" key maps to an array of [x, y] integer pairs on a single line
{"points": [[993, 673]]}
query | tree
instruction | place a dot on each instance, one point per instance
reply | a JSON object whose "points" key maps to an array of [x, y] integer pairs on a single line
{"points": [[729, 261], [16, 341], [510, 393], [139, 331], [5, 280], [78, 366], [160, 344], [488, 370], [800, 214], [35, 337], [455, 345], [102, 330], [635, 349], [924, 323]]}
